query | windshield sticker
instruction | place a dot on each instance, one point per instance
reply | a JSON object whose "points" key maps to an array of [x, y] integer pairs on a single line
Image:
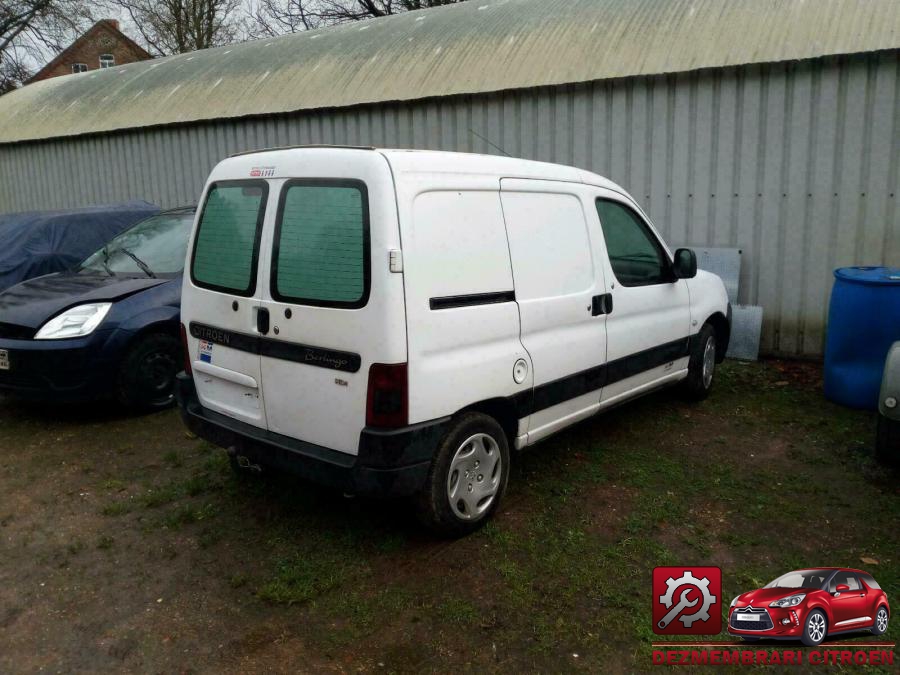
{"points": [[262, 171], [206, 348]]}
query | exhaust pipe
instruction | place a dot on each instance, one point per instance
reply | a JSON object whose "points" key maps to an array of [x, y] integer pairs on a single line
{"points": [[243, 461]]}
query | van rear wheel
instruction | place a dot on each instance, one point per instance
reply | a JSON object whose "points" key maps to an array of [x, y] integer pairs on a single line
{"points": [[467, 478]]}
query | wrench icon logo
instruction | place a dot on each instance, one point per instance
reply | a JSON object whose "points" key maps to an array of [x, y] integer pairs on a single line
{"points": [[676, 610], [685, 592]]}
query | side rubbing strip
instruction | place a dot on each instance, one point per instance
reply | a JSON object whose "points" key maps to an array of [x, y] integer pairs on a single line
{"points": [[277, 349], [577, 384], [454, 301]]}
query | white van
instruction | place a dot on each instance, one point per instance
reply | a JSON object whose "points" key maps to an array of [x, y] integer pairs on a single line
{"points": [[392, 322]]}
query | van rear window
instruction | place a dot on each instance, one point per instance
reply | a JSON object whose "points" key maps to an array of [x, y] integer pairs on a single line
{"points": [[227, 242], [321, 252]]}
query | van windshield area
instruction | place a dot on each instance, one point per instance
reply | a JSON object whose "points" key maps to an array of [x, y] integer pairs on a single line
{"points": [[801, 579], [155, 247]]}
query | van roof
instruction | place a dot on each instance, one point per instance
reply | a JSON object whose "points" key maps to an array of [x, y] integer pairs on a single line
{"points": [[425, 161]]}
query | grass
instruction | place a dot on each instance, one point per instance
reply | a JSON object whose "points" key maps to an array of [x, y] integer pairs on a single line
{"points": [[762, 477]]}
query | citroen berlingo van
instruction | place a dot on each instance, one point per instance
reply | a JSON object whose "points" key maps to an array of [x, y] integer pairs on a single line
{"points": [[394, 322]]}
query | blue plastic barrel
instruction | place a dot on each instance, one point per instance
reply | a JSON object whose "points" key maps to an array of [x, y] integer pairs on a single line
{"points": [[863, 323]]}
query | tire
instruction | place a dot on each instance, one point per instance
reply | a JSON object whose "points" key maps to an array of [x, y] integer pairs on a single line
{"points": [[146, 379], [815, 629], [702, 365], [887, 441], [881, 621], [452, 505]]}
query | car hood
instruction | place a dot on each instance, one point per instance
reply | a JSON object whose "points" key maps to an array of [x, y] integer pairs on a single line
{"points": [[33, 302], [761, 597]]}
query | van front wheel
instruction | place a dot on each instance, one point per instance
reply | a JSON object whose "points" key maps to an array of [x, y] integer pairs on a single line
{"points": [[702, 365], [467, 478]]}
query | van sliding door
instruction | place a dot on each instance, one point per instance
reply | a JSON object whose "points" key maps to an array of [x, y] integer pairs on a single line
{"points": [[556, 283]]}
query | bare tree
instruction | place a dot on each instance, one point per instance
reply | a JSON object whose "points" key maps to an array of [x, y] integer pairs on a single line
{"points": [[32, 30], [179, 26], [274, 17]]}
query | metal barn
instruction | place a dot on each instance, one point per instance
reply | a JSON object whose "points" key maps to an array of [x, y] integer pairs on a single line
{"points": [[768, 125]]}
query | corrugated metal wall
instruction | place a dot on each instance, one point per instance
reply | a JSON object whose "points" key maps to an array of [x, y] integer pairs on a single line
{"points": [[797, 164]]}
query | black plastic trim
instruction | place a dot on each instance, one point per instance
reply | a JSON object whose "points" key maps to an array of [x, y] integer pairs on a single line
{"points": [[254, 265], [321, 357], [577, 384], [391, 463], [367, 246], [471, 300]]}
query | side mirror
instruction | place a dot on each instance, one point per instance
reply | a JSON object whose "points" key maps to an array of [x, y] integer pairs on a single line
{"points": [[842, 588], [685, 264]]}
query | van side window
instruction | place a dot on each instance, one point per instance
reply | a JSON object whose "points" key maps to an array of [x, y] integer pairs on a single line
{"points": [[549, 243], [635, 254], [321, 252], [227, 242]]}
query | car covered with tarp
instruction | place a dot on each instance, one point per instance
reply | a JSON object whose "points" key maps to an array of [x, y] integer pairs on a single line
{"points": [[41, 242]]}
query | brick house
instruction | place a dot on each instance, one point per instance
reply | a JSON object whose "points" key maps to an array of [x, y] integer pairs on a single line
{"points": [[103, 45]]}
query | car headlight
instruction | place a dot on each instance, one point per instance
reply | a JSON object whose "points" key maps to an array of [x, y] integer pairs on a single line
{"points": [[734, 601], [74, 322], [789, 601]]}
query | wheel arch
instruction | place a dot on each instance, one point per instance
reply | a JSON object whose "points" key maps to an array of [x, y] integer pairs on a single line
{"points": [[501, 409]]}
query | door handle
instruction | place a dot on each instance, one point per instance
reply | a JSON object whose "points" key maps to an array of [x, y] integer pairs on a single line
{"points": [[602, 304], [862, 595], [262, 320]]}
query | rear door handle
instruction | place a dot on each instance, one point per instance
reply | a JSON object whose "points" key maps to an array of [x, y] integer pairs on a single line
{"points": [[262, 320], [602, 304]]}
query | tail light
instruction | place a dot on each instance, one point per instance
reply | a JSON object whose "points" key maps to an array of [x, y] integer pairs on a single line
{"points": [[387, 400], [185, 352]]}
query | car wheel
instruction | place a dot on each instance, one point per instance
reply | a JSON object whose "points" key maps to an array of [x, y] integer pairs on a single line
{"points": [[467, 477], [881, 621], [815, 629], [146, 379], [702, 365], [887, 440]]}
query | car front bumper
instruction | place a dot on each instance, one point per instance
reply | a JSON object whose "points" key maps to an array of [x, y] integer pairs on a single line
{"points": [[392, 463], [793, 630], [76, 368]]}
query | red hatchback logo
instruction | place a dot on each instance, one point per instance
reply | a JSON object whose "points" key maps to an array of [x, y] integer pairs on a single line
{"points": [[810, 605], [687, 600]]}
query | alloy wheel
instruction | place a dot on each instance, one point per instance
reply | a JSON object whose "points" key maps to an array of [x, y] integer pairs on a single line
{"points": [[816, 627], [881, 620]]}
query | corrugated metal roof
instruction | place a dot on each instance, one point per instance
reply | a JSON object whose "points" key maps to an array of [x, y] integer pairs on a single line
{"points": [[477, 46]]}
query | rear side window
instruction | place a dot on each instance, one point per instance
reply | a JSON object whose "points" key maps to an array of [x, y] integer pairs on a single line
{"points": [[870, 582], [321, 252], [227, 242], [635, 254]]}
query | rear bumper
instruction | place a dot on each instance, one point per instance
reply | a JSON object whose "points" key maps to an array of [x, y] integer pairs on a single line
{"points": [[391, 463]]}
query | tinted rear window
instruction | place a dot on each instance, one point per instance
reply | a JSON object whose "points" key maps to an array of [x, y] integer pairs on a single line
{"points": [[227, 243], [322, 244], [870, 582]]}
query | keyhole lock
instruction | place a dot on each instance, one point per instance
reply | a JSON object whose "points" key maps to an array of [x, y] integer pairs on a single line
{"points": [[275, 330]]}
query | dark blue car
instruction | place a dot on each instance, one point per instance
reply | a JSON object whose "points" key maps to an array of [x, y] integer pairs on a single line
{"points": [[108, 328]]}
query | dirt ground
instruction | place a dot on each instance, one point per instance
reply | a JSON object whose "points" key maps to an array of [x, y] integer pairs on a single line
{"points": [[128, 545]]}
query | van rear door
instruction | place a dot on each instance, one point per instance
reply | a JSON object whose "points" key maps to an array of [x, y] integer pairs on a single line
{"points": [[335, 307], [220, 299]]}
